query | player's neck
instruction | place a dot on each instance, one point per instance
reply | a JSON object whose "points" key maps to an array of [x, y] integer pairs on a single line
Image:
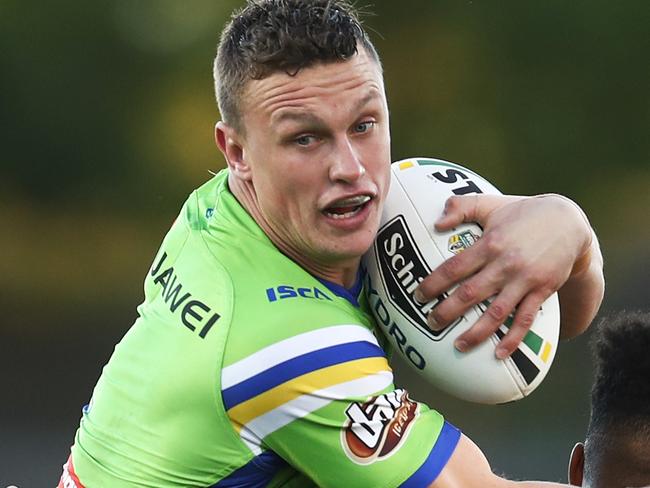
{"points": [[343, 273]]}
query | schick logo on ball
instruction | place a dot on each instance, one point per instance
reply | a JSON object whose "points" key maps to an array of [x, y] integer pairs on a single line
{"points": [[402, 270]]}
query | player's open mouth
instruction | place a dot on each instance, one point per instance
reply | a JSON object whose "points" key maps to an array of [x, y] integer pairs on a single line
{"points": [[347, 207]]}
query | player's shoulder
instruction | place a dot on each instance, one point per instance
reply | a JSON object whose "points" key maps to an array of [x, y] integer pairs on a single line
{"points": [[209, 241], [188, 283], [217, 252], [275, 321], [280, 303]]}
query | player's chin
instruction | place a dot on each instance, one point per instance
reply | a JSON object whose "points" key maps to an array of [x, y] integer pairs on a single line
{"points": [[343, 246], [352, 235], [358, 244]]}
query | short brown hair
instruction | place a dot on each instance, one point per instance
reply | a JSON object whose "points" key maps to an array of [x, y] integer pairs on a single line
{"points": [[268, 36]]}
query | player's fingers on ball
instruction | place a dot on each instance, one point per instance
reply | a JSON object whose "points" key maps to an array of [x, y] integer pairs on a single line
{"points": [[458, 209], [495, 315], [474, 290], [524, 318], [449, 273], [469, 208]]}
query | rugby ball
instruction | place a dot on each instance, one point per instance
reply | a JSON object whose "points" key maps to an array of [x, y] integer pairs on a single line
{"points": [[406, 250]]}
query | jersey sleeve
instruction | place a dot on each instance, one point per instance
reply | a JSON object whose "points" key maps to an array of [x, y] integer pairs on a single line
{"points": [[325, 401]]}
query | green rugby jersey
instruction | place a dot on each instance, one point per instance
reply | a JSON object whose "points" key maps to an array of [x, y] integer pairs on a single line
{"points": [[245, 370]]}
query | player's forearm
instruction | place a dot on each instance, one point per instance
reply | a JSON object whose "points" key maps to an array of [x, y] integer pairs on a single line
{"points": [[537, 484], [581, 296], [469, 468]]}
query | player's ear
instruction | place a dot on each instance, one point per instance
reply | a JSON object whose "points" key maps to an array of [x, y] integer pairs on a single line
{"points": [[577, 464], [230, 142]]}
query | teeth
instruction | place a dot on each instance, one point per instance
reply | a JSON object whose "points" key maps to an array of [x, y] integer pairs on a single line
{"points": [[344, 215], [347, 207], [351, 202]]}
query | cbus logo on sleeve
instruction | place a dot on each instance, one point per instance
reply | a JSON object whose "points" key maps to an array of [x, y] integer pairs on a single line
{"points": [[377, 429]]}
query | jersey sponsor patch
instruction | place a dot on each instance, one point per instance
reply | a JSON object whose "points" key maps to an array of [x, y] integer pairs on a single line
{"points": [[194, 313], [377, 428], [287, 291]]}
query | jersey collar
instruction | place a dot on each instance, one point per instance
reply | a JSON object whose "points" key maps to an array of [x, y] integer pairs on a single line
{"points": [[350, 294]]}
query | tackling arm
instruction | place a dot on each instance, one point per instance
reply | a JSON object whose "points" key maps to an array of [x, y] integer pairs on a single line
{"points": [[468, 468]]}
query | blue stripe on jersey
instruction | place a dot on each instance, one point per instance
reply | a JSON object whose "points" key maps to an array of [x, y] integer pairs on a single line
{"points": [[437, 458], [257, 473], [292, 368]]}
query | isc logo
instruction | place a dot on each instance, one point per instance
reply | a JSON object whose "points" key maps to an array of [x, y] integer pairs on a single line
{"points": [[286, 291]]}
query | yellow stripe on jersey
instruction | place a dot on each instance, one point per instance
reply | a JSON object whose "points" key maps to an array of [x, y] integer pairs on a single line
{"points": [[304, 385]]}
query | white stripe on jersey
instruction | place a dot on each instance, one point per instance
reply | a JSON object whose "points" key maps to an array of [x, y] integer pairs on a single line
{"points": [[257, 429], [290, 348]]}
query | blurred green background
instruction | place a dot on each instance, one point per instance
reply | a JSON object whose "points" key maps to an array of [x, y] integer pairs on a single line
{"points": [[107, 113]]}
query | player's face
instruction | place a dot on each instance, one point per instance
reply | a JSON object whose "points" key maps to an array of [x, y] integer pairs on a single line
{"points": [[318, 146]]}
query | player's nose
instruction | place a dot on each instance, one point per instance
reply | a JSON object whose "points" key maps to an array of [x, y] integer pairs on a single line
{"points": [[346, 165]]}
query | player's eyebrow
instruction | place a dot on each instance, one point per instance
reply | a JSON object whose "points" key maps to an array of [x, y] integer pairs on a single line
{"points": [[315, 120], [370, 96], [298, 116]]}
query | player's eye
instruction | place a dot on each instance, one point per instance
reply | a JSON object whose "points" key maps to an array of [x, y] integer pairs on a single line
{"points": [[305, 140], [363, 127]]}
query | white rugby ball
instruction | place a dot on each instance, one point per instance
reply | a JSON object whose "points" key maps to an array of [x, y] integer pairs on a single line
{"points": [[407, 249]]}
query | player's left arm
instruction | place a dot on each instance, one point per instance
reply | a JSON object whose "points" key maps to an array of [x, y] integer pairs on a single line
{"points": [[531, 247], [469, 468], [582, 293]]}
